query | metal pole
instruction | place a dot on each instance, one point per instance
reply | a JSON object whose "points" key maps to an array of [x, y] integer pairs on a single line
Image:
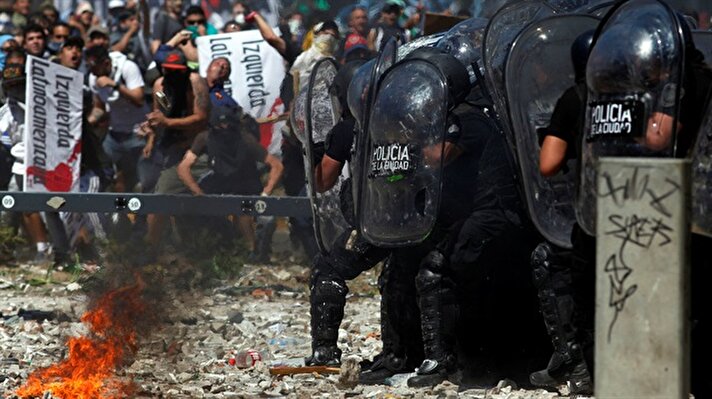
{"points": [[642, 279]]}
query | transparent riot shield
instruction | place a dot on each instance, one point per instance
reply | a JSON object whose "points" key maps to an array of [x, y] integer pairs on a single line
{"points": [[702, 154], [538, 73], [298, 117], [402, 179], [322, 114], [597, 8], [464, 41], [634, 77], [702, 177], [423, 41], [385, 59], [503, 28]]}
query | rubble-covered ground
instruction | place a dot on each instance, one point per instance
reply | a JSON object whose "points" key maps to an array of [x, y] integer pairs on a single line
{"points": [[264, 308]]}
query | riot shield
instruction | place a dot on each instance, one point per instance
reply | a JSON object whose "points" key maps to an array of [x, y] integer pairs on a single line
{"points": [[538, 72], [703, 42], [423, 41], [702, 177], [322, 113], [702, 154], [400, 194], [567, 6], [385, 59], [597, 8], [464, 41], [503, 28], [298, 117], [634, 77]]}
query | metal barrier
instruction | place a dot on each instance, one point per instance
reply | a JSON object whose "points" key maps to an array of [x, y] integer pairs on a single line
{"points": [[155, 203]]}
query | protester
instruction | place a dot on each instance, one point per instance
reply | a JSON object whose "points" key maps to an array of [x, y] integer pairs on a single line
{"points": [[173, 125], [167, 23], [59, 33], [117, 83], [20, 12], [51, 13], [98, 36], [126, 39], [34, 41], [387, 27], [12, 125], [7, 44], [326, 36], [295, 22], [357, 34], [83, 19]]}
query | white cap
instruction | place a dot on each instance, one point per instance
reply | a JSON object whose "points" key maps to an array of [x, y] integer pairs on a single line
{"points": [[116, 4]]}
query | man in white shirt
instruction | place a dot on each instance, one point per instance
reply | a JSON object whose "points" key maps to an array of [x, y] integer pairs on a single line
{"points": [[117, 85]]}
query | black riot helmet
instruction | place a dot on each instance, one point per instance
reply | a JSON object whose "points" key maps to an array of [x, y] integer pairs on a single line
{"points": [[456, 76], [580, 49], [464, 42], [340, 86]]}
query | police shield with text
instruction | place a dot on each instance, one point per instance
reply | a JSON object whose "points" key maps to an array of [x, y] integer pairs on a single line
{"points": [[643, 98], [439, 175], [648, 86]]}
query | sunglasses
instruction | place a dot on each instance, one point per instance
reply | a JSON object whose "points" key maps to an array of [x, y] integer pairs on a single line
{"points": [[195, 22], [9, 49]]}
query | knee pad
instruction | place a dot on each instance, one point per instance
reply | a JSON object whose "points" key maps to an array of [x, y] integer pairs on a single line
{"points": [[430, 274]]}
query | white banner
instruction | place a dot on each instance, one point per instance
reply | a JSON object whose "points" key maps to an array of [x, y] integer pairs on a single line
{"points": [[257, 68], [53, 127]]}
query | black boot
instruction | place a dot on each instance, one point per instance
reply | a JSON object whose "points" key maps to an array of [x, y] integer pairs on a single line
{"points": [[384, 366], [437, 309], [328, 298], [553, 279]]}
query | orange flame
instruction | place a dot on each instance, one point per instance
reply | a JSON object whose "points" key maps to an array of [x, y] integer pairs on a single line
{"points": [[89, 372]]}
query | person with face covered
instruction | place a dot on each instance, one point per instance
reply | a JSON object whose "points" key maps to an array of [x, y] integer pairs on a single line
{"points": [[174, 123], [326, 38], [58, 34]]}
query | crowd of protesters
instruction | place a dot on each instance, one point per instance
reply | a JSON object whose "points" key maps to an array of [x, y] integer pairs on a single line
{"points": [[152, 124]]}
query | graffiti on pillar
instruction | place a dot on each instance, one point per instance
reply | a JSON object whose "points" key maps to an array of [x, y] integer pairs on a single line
{"points": [[644, 228]]}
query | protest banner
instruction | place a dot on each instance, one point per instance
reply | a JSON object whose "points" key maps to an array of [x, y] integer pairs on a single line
{"points": [[53, 127], [257, 69]]}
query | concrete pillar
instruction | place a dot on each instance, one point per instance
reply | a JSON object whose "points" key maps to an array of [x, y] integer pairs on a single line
{"points": [[642, 279]]}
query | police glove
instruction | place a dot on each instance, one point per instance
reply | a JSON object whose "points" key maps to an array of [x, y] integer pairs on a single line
{"points": [[454, 130]]}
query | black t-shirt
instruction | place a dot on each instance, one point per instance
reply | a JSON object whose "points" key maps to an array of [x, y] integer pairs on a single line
{"points": [[693, 105], [567, 119], [340, 140]]}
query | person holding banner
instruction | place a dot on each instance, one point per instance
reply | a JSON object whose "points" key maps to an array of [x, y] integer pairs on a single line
{"points": [[12, 124]]}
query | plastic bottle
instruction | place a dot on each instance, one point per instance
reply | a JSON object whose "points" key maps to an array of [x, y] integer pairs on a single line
{"points": [[248, 358]]}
